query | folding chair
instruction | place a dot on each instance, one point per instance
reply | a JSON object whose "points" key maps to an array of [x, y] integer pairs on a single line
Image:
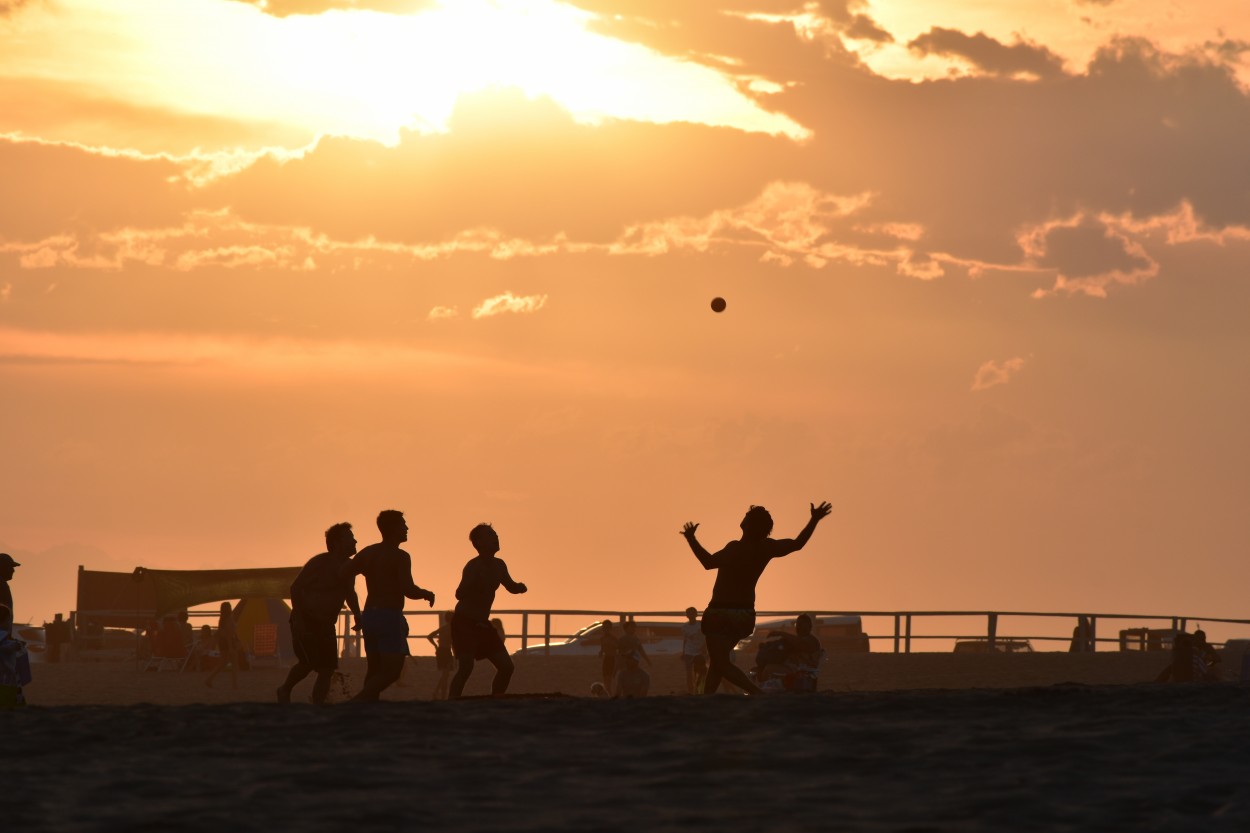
{"points": [[265, 644]]}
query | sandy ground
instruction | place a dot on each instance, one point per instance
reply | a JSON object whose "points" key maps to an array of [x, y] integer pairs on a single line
{"points": [[119, 683], [1064, 757]]}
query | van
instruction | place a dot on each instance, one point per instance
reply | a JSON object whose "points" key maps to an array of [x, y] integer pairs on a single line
{"points": [[1001, 646], [658, 639], [837, 634]]}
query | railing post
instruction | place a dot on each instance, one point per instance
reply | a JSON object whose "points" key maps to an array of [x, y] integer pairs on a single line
{"points": [[992, 631], [525, 631], [897, 623], [547, 634], [907, 641], [1093, 633], [1184, 625]]}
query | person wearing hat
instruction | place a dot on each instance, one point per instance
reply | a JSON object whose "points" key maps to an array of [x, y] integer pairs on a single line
{"points": [[6, 574]]}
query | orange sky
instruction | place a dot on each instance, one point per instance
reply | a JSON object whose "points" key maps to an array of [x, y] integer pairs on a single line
{"points": [[266, 267]]}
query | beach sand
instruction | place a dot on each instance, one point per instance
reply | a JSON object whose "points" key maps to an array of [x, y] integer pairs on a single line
{"points": [[118, 683], [1065, 757]]}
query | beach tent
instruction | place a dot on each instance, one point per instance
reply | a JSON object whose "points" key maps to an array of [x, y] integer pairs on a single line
{"points": [[129, 600], [257, 611]]}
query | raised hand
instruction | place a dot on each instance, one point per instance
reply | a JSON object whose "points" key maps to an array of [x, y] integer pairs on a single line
{"points": [[689, 529], [821, 511], [521, 588]]}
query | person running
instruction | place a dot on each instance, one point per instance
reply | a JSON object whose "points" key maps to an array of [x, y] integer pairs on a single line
{"points": [[227, 646], [388, 581], [440, 638], [730, 615], [692, 646], [317, 596], [472, 634]]}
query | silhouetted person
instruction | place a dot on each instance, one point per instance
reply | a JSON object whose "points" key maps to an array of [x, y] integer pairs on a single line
{"points": [[632, 681], [730, 615], [1207, 659], [607, 650], [227, 646], [7, 566], [1080, 637], [14, 663], [629, 649], [440, 638], [692, 647], [472, 633], [317, 596], [204, 645], [388, 581]]}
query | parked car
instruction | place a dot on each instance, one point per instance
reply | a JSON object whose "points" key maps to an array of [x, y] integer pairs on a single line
{"points": [[657, 637], [837, 634], [1001, 646]]}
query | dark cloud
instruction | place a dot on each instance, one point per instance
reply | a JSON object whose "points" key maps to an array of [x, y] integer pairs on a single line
{"points": [[286, 8], [1088, 249], [8, 7], [988, 54], [863, 27]]}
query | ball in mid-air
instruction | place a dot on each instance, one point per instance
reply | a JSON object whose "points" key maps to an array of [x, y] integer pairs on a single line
{"points": [[718, 305]]}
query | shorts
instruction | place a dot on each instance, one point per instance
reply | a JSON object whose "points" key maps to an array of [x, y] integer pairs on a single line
{"points": [[315, 641], [475, 639], [734, 623], [385, 630], [444, 661]]}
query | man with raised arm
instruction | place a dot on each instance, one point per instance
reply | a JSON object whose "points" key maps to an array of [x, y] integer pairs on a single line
{"points": [[472, 635], [730, 615], [388, 581], [317, 596]]}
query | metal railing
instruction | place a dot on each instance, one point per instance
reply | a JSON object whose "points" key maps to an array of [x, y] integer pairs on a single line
{"points": [[901, 638]]}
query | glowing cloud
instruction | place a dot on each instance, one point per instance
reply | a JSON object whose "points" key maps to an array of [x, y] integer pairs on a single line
{"points": [[992, 374], [507, 302]]}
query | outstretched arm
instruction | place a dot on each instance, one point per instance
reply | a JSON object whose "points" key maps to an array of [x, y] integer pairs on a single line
{"points": [[818, 513], [705, 558]]}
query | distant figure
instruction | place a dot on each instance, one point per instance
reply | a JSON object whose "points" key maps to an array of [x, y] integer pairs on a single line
{"points": [[790, 660], [7, 565], [730, 615], [202, 650], [317, 596], [632, 681], [1206, 659], [630, 648], [692, 647], [227, 646], [607, 650], [444, 662], [472, 633], [1081, 642], [14, 663], [184, 628], [388, 581]]}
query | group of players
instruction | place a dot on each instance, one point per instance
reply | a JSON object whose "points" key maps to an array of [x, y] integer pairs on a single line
{"points": [[328, 580]]}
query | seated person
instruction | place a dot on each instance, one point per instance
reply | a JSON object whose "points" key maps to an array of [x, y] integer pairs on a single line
{"points": [[787, 652], [632, 681], [203, 651]]}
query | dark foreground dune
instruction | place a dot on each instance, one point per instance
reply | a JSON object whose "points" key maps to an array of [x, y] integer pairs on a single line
{"points": [[1069, 757]]}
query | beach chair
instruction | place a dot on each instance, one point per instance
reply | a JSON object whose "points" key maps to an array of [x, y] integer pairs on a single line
{"points": [[265, 645]]}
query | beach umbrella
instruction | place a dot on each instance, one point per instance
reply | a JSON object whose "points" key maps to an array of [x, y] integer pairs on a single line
{"points": [[249, 613]]}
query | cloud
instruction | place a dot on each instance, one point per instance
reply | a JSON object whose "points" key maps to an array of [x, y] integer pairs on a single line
{"points": [[439, 313], [286, 8], [1088, 253], [990, 55], [509, 303], [993, 373], [864, 27], [10, 7]]}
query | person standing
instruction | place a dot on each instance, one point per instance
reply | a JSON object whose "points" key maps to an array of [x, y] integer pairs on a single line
{"points": [[692, 647], [317, 596], [607, 650], [388, 581], [227, 646], [7, 566], [730, 615], [440, 638], [472, 634]]}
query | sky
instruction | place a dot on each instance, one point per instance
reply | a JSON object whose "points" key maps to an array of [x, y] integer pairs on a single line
{"points": [[268, 266]]}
